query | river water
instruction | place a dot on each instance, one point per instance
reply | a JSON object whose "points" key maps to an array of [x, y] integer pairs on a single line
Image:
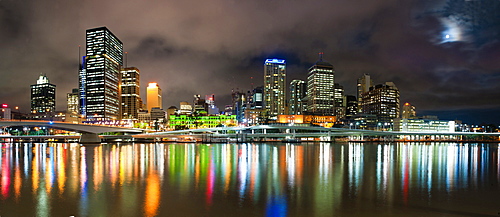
{"points": [[320, 179]]}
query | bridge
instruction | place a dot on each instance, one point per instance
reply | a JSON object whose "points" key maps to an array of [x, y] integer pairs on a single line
{"points": [[89, 133], [294, 132]]}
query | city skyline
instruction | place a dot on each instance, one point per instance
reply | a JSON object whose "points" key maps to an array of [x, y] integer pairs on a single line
{"points": [[390, 41]]}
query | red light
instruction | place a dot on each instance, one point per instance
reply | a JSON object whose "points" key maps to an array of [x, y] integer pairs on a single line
{"points": [[5, 106]]}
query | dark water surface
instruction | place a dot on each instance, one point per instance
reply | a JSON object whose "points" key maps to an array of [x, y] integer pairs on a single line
{"points": [[349, 179]]}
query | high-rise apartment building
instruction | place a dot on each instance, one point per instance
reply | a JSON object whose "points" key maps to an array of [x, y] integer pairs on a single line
{"points": [[43, 96], [275, 87], [364, 84], [298, 90], [154, 96], [321, 88], [73, 105], [130, 93], [382, 100], [100, 75]]}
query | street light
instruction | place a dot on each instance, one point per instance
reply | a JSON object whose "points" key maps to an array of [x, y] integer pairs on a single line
{"points": [[18, 113]]}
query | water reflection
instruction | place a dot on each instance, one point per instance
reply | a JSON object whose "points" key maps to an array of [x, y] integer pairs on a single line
{"points": [[248, 179]]}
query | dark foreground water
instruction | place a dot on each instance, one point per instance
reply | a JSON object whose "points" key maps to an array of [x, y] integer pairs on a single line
{"points": [[405, 179]]}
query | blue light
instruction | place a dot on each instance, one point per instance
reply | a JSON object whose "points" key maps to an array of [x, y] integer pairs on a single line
{"points": [[280, 61], [50, 122]]}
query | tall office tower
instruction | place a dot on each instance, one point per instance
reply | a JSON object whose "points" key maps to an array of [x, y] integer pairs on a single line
{"points": [[200, 105], [238, 101], [256, 98], [100, 75], [275, 87], [382, 100], [297, 95], [130, 89], [351, 106], [364, 84], [43, 96], [210, 103], [321, 88], [72, 100], [340, 107], [153, 92], [408, 111]]}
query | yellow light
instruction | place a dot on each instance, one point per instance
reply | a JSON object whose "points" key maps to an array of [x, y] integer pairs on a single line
{"points": [[152, 84]]}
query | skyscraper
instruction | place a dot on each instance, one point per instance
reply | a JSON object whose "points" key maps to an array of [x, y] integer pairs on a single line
{"points": [[321, 88], [364, 84], [154, 96], [43, 96], [298, 89], [340, 106], [73, 102], [100, 75], [130, 89], [382, 100], [275, 87]]}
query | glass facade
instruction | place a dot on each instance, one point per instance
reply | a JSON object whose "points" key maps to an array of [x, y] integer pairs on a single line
{"points": [[321, 89], [130, 89], [275, 87], [43, 96], [298, 90], [100, 75]]}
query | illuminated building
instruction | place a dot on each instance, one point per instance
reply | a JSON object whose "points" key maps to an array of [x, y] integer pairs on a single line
{"points": [[100, 75], [382, 100], [200, 105], [238, 104], [275, 87], [210, 102], [154, 96], [321, 88], [5, 112], [340, 107], [185, 108], [254, 116], [131, 99], [364, 84], [320, 120], [351, 106], [180, 122], [43, 96], [423, 125], [297, 105], [408, 111], [73, 105]]}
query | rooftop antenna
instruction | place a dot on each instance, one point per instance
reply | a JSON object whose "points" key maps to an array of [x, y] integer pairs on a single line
{"points": [[321, 56]]}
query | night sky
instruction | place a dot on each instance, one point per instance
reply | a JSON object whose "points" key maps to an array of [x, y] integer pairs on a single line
{"points": [[212, 47]]}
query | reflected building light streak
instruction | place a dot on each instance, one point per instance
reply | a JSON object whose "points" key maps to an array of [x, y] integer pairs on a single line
{"points": [[27, 150], [405, 170], [42, 203], [50, 171], [210, 177], [61, 168], [17, 183], [290, 160], [6, 172], [227, 165], [152, 195], [355, 167], [429, 158], [34, 169], [84, 200], [242, 171], [451, 167]]}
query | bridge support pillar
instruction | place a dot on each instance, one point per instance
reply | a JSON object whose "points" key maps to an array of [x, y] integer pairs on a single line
{"points": [[87, 138]]}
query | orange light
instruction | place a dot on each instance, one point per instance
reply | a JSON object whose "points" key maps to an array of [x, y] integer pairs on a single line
{"points": [[407, 104]]}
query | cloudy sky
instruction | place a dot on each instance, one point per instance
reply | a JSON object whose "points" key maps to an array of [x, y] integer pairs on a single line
{"points": [[213, 47]]}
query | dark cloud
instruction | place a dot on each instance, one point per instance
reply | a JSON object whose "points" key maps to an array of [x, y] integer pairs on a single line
{"points": [[214, 47]]}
